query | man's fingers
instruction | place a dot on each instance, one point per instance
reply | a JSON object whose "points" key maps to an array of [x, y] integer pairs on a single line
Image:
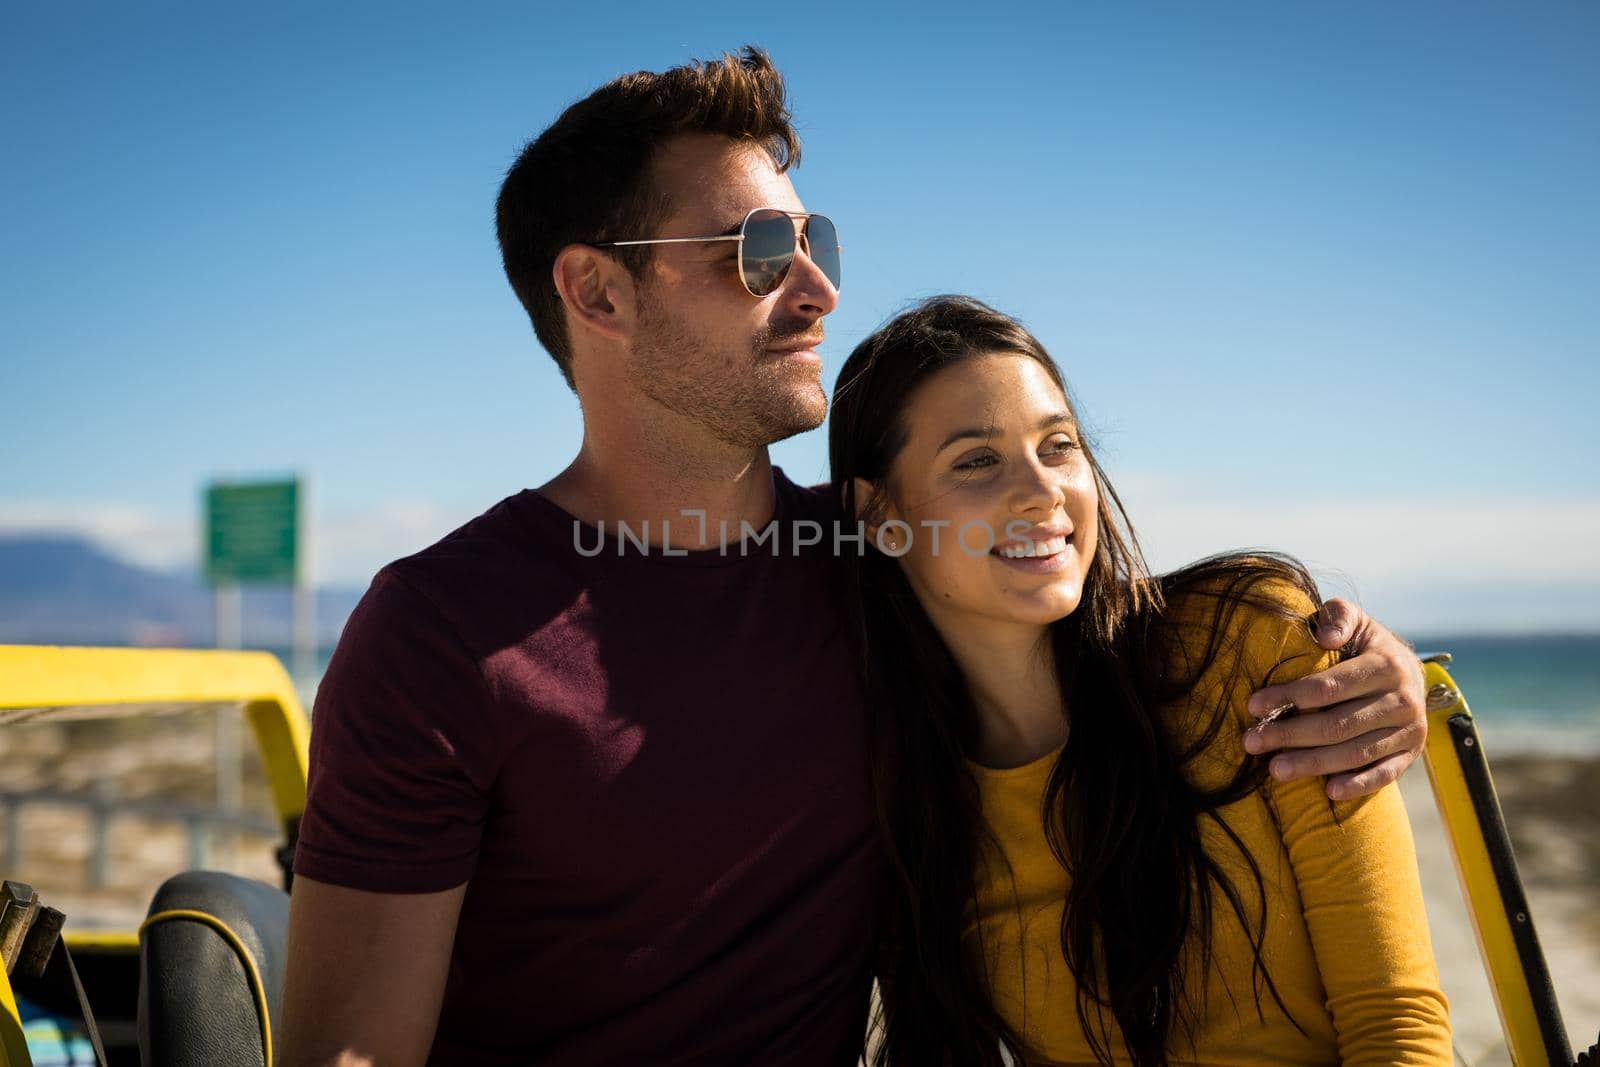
{"points": [[1352, 755], [1370, 779], [1362, 720], [1383, 664], [1338, 739], [1362, 676], [1330, 726], [1338, 622]]}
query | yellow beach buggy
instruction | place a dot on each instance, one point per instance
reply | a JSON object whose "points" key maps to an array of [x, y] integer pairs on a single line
{"points": [[197, 981]]}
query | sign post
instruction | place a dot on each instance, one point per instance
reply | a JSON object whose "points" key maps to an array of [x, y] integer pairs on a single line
{"points": [[255, 533]]}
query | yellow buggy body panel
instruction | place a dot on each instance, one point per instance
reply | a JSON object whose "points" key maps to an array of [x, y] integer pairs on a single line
{"points": [[1486, 867]]}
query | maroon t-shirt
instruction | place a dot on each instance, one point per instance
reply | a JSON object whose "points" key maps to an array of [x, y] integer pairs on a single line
{"points": [[650, 771]]}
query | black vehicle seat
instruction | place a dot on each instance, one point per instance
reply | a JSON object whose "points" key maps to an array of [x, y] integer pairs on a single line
{"points": [[211, 965]]}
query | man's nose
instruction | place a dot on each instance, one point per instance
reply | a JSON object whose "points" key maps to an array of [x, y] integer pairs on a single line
{"points": [[807, 290]]}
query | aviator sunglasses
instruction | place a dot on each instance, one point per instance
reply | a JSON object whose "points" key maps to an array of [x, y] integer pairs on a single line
{"points": [[767, 242]]}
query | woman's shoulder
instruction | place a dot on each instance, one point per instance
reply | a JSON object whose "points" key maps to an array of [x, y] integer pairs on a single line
{"points": [[1244, 597], [1243, 624]]}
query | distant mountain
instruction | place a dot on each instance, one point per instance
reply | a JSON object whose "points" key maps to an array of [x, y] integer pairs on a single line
{"points": [[67, 590]]}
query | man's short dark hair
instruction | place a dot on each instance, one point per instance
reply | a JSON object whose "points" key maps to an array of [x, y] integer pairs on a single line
{"points": [[587, 177]]}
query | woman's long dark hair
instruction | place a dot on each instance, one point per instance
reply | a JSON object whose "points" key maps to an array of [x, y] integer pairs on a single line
{"points": [[1120, 813]]}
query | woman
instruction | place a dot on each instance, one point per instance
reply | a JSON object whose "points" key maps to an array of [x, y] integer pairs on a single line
{"points": [[1086, 865]]}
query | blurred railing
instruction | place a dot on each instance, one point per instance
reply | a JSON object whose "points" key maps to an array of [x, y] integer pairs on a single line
{"points": [[103, 804]]}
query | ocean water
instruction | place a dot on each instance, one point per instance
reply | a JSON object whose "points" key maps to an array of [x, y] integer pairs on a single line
{"points": [[1537, 694], [1528, 694]]}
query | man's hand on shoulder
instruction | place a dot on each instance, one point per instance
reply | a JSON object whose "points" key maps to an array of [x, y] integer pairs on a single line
{"points": [[1361, 722], [366, 974]]}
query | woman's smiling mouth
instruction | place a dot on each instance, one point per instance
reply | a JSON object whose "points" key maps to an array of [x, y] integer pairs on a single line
{"points": [[1044, 556]]}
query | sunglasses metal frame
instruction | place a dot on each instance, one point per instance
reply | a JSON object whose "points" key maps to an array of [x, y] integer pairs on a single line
{"points": [[807, 215]]}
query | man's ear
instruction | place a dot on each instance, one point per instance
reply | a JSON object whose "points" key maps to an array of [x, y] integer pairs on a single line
{"points": [[597, 290]]}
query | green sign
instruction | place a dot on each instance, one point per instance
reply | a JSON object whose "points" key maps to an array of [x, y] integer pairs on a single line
{"points": [[252, 532]]}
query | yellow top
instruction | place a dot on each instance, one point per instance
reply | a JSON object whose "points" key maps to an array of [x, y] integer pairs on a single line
{"points": [[1346, 938]]}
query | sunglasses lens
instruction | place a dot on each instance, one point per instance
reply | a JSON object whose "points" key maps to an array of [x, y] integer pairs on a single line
{"points": [[767, 251], [822, 245]]}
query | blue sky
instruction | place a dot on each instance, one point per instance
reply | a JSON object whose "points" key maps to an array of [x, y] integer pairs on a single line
{"points": [[1324, 277]]}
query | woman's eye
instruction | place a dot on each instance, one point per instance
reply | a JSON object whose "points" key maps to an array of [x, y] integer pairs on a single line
{"points": [[975, 463], [1061, 446]]}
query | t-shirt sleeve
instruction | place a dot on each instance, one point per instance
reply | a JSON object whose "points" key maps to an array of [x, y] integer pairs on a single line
{"points": [[1356, 869], [403, 754]]}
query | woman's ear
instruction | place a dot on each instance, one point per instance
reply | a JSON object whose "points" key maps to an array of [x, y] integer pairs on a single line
{"points": [[597, 291], [867, 502], [874, 508]]}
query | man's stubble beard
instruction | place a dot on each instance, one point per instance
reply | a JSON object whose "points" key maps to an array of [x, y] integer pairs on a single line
{"points": [[745, 398]]}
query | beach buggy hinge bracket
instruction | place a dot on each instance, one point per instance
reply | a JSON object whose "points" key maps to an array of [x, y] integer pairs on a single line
{"points": [[36, 958]]}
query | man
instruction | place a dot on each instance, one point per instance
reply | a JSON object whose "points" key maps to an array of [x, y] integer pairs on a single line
{"points": [[585, 786]]}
